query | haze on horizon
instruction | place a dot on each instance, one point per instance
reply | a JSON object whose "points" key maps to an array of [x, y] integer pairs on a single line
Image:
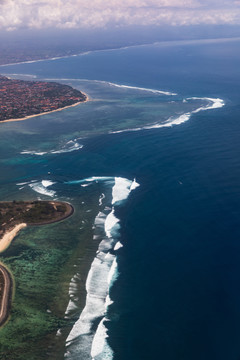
{"points": [[36, 29], [79, 14]]}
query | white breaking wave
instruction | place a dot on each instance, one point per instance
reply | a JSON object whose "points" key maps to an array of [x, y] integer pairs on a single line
{"points": [[41, 187], [122, 189], [121, 186], [112, 276], [25, 75], [29, 152], [100, 219], [83, 341], [101, 199], [72, 295], [214, 104], [27, 182], [70, 146], [111, 223], [81, 335], [134, 185], [47, 183], [154, 91], [100, 347], [118, 246]]}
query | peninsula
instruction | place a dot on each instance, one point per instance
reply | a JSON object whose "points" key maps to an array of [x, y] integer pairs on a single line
{"points": [[14, 216], [20, 99]]}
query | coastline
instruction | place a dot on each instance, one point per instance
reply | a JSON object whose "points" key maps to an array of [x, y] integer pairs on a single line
{"points": [[5, 242], [131, 291], [11, 233], [123, 47], [8, 237], [69, 212], [7, 294], [47, 112]]}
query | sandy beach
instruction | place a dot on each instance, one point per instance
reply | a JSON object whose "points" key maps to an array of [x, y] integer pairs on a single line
{"points": [[7, 238], [48, 112], [5, 242]]}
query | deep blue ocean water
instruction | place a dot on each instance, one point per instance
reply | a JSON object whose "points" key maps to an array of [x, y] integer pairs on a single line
{"points": [[177, 295]]}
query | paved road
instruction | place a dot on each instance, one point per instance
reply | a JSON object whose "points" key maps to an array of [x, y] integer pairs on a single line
{"points": [[6, 296]]}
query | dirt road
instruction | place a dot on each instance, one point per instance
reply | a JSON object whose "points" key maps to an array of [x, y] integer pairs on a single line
{"points": [[6, 295]]}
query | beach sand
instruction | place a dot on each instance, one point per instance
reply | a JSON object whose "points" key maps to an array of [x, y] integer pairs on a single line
{"points": [[47, 112], [8, 237]]}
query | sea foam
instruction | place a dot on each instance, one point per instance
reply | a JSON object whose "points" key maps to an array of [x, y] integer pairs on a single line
{"points": [[154, 91], [100, 348], [118, 246], [212, 104], [111, 223], [72, 145], [122, 189], [41, 187], [83, 340], [102, 196], [72, 295], [122, 86]]}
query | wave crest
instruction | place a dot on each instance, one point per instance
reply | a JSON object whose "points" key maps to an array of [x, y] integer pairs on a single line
{"points": [[70, 146], [212, 104], [82, 339]]}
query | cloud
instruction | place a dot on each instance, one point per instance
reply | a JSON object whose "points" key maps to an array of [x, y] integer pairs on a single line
{"points": [[99, 13]]}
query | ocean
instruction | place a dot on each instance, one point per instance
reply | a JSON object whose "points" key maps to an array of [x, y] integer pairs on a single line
{"points": [[149, 264]]}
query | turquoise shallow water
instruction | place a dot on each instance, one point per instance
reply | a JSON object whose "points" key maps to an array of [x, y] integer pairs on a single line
{"points": [[177, 293]]}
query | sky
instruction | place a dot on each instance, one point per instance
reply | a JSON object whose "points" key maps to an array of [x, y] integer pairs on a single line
{"points": [[93, 14]]}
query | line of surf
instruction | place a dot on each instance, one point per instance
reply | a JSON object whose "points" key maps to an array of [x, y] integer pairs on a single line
{"points": [[40, 187], [214, 103], [163, 43], [154, 91], [122, 86], [49, 59], [83, 340], [70, 146]]}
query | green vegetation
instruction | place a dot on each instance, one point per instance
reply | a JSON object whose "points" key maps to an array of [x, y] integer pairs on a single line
{"points": [[20, 98], [42, 261], [36, 270], [31, 212], [1, 285]]}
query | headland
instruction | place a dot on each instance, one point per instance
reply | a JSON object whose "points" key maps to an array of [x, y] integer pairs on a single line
{"points": [[21, 100], [15, 216]]}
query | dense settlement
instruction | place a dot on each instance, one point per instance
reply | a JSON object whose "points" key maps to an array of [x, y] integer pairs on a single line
{"points": [[20, 98]]}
